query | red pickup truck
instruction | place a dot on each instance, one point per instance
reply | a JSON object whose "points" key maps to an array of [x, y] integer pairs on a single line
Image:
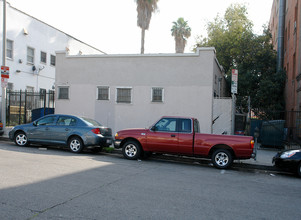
{"points": [[181, 136]]}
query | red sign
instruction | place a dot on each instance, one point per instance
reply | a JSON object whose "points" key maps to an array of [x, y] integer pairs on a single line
{"points": [[4, 72]]}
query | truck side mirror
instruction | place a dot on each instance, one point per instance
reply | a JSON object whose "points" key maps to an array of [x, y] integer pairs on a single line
{"points": [[154, 128]]}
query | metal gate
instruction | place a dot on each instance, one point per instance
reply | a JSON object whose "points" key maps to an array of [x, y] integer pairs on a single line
{"points": [[26, 106]]}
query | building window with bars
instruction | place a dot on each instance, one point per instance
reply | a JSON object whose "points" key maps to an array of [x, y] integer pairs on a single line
{"points": [[43, 57], [52, 60], [30, 55], [103, 93], [157, 94], [124, 95], [9, 49], [63, 92]]}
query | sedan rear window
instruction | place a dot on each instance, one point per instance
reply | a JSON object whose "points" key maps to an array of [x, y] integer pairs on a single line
{"points": [[91, 122]]}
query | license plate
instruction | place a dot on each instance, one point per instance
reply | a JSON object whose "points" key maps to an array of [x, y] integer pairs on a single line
{"points": [[109, 141]]}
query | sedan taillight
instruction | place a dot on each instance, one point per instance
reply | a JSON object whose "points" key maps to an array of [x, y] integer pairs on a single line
{"points": [[96, 131]]}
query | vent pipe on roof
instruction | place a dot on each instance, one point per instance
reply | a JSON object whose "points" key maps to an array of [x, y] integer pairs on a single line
{"points": [[281, 24]]}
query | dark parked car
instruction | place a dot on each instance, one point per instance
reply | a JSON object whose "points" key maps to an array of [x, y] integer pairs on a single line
{"points": [[1, 128], [72, 131], [289, 159]]}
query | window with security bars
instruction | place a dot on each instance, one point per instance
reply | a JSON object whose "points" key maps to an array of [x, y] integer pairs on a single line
{"points": [[52, 60], [9, 49], [63, 93], [30, 55], [157, 94], [103, 93], [124, 95], [43, 57]]}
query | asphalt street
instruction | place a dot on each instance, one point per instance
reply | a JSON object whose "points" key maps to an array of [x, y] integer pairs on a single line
{"points": [[51, 183]]}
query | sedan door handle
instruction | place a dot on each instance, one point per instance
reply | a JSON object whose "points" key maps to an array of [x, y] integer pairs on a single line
{"points": [[173, 135], [67, 129]]}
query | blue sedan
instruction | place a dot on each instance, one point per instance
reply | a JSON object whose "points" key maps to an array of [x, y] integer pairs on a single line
{"points": [[68, 130]]}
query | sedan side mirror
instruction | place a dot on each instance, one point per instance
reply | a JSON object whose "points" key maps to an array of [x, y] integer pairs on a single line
{"points": [[34, 123]]}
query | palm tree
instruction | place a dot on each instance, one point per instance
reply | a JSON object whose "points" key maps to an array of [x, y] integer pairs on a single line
{"points": [[181, 31], [145, 8]]}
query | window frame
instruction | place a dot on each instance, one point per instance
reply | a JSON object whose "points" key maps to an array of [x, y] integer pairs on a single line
{"points": [[59, 93], [10, 49], [97, 93], [131, 95], [152, 95], [52, 63], [30, 56], [44, 62]]}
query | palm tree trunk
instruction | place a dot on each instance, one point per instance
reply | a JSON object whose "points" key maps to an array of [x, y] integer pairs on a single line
{"points": [[142, 40]]}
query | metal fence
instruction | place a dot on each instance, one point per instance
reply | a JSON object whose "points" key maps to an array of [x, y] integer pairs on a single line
{"points": [[25, 106]]}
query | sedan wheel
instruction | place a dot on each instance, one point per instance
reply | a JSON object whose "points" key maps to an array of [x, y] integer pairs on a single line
{"points": [[131, 150], [21, 139], [75, 145], [222, 159]]}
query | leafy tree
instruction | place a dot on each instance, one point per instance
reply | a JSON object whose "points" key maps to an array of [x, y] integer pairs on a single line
{"points": [[181, 31], [238, 48], [145, 8]]}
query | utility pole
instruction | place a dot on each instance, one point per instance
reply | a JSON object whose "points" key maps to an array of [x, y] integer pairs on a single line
{"points": [[234, 91], [3, 96]]}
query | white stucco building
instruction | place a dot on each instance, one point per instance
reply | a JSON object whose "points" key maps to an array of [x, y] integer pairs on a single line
{"points": [[31, 46], [127, 91]]}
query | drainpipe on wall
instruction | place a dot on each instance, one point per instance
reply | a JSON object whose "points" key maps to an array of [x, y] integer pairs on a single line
{"points": [[281, 24]]}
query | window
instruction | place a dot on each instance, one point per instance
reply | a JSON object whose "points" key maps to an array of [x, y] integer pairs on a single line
{"points": [[29, 89], [9, 49], [66, 121], [157, 94], [43, 57], [47, 121], [166, 125], [185, 125], [52, 60], [103, 93], [30, 55], [63, 93], [10, 86], [124, 95], [42, 94]]}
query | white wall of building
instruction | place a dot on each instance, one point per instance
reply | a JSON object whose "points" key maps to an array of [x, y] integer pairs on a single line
{"points": [[27, 31], [222, 116], [187, 80]]}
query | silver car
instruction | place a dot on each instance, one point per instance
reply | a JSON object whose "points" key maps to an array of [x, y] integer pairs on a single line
{"points": [[68, 130]]}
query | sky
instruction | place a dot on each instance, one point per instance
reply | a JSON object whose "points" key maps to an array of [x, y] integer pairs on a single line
{"points": [[111, 25]]}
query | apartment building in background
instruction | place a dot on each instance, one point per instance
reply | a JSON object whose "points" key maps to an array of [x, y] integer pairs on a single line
{"points": [[30, 50]]}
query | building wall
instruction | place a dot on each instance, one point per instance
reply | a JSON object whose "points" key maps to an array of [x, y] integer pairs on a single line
{"points": [[187, 80], [27, 31], [292, 54]]}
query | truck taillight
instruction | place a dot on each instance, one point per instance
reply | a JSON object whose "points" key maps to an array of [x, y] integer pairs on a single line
{"points": [[96, 131], [252, 144], [1, 125]]}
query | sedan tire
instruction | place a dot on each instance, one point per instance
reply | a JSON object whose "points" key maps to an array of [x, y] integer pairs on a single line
{"points": [[21, 139], [131, 150], [75, 144], [222, 158], [299, 169]]}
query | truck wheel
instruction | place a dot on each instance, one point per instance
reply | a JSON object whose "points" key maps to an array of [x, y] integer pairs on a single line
{"points": [[222, 158], [21, 139], [131, 150], [75, 144]]}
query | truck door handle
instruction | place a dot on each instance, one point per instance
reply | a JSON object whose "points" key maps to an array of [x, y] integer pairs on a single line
{"points": [[173, 135]]}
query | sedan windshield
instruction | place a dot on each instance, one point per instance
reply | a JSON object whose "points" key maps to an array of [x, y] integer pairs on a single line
{"points": [[91, 122]]}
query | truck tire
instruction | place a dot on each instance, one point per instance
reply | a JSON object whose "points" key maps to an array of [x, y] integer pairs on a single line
{"points": [[222, 158], [131, 150]]}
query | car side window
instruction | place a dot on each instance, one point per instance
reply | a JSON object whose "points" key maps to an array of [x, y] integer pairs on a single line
{"points": [[185, 125], [166, 124], [66, 121], [47, 121]]}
